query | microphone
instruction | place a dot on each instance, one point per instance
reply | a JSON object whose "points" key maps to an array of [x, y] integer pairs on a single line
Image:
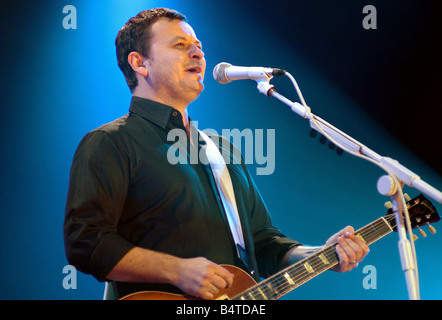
{"points": [[225, 73]]}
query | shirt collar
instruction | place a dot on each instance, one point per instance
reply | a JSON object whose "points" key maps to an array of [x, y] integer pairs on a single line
{"points": [[153, 111]]}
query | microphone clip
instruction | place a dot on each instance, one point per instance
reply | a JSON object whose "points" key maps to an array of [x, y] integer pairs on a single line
{"points": [[265, 87]]}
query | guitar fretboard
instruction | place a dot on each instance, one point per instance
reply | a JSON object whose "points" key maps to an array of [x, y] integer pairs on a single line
{"points": [[299, 273]]}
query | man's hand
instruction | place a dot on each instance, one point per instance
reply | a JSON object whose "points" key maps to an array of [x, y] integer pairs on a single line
{"points": [[198, 277], [202, 278], [350, 249]]}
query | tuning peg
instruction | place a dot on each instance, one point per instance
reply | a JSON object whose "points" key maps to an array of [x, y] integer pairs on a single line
{"points": [[422, 232], [407, 197], [388, 205], [415, 237], [431, 228]]}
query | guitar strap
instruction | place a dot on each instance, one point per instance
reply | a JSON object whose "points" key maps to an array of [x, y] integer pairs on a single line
{"points": [[225, 188]]}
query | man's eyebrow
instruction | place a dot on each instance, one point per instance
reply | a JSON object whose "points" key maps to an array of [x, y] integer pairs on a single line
{"points": [[176, 38]]}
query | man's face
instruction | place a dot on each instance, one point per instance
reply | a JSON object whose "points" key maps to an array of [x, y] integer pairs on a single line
{"points": [[176, 63]]}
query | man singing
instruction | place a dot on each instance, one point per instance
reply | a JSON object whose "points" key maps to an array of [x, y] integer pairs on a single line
{"points": [[141, 223]]}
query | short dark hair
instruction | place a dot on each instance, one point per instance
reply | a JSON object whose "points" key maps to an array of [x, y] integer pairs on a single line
{"points": [[136, 35]]}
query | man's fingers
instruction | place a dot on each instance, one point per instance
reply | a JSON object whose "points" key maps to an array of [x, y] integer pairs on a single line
{"points": [[226, 275], [351, 251], [358, 246], [349, 254], [219, 278]]}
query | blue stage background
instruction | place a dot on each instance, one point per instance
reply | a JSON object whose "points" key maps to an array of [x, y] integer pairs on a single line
{"points": [[58, 84]]}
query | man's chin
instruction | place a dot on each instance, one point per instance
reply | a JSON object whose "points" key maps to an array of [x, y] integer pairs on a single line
{"points": [[200, 87], [195, 92]]}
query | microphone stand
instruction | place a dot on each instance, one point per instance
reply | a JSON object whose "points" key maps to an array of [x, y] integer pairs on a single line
{"points": [[388, 185]]}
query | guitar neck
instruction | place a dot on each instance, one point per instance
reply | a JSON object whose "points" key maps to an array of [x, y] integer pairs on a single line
{"points": [[299, 273], [421, 212]]}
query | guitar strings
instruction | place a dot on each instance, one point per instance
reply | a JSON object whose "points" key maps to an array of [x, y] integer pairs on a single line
{"points": [[278, 285], [370, 233], [299, 274], [273, 289]]}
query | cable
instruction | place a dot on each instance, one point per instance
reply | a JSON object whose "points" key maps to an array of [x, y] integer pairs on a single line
{"points": [[362, 156]]}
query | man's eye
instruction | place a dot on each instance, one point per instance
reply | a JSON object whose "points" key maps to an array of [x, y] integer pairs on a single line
{"points": [[181, 44]]}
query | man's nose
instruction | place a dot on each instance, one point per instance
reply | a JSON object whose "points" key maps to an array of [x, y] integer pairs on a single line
{"points": [[196, 53]]}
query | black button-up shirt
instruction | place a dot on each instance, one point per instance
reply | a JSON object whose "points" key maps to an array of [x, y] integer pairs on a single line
{"points": [[124, 191]]}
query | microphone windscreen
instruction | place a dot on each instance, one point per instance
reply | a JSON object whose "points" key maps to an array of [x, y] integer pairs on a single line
{"points": [[219, 72]]}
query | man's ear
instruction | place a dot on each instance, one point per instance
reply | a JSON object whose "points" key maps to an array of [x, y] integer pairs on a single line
{"points": [[135, 60]]}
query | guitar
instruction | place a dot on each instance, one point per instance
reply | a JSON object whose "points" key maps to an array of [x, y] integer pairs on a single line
{"points": [[421, 212]]}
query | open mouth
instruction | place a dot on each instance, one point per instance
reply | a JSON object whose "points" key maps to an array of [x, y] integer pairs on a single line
{"points": [[196, 69]]}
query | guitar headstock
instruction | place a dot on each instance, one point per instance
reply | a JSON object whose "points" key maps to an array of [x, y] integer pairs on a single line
{"points": [[421, 211]]}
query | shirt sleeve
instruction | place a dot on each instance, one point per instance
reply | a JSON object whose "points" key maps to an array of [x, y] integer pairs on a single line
{"points": [[97, 191]]}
